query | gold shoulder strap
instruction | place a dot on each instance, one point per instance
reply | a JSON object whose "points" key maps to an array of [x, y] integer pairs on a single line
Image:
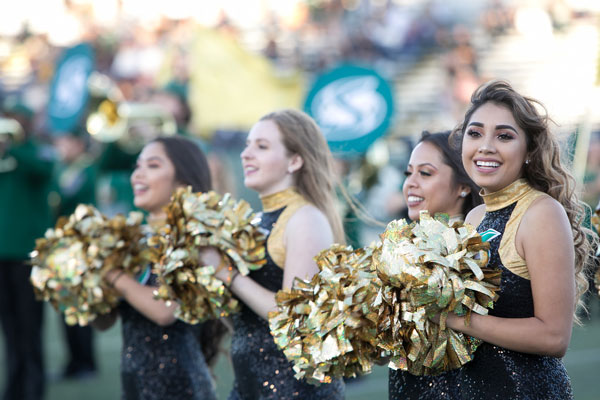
{"points": [[276, 241], [508, 252]]}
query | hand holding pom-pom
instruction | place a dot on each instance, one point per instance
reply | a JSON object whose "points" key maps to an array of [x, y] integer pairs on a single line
{"points": [[71, 261], [369, 304], [432, 269], [192, 274]]}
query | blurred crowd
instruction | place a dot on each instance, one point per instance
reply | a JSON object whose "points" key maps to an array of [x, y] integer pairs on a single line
{"points": [[148, 61]]}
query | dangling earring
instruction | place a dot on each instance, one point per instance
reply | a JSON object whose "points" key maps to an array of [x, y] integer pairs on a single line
{"points": [[463, 194], [527, 162]]}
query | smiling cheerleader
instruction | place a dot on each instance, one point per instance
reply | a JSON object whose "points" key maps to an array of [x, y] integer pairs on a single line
{"points": [[532, 215], [288, 163]]}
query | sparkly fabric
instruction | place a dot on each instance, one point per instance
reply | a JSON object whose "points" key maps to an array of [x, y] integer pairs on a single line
{"points": [[403, 385], [161, 363], [261, 370], [495, 372]]}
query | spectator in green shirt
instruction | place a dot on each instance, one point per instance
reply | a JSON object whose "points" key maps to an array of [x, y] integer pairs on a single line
{"points": [[25, 173]]}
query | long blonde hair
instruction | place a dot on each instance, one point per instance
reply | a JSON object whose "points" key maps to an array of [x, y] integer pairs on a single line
{"points": [[316, 179], [544, 171]]}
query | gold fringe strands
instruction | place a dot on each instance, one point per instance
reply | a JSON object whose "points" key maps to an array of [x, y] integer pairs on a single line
{"points": [[70, 261], [377, 303], [325, 326], [431, 269], [196, 220]]}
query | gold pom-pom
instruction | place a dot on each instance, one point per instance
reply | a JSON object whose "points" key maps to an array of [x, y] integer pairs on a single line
{"points": [[70, 261], [377, 303], [196, 220], [431, 269], [325, 326]]}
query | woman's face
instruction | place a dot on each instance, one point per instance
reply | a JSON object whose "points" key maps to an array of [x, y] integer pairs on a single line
{"points": [[153, 179], [267, 166], [494, 148], [429, 183]]}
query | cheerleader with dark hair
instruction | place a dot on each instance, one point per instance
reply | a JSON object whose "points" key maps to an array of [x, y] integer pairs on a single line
{"points": [[162, 357]]}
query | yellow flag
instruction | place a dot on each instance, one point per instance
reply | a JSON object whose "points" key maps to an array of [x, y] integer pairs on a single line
{"points": [[231, 88]]}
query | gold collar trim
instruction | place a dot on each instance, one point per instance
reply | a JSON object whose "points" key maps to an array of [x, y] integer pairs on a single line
{"points": [[507, 196], [281, 199]]}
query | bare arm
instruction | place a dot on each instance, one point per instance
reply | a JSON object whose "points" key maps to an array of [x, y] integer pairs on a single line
{"points": [[142, 299], [544, 239], [307, 233]]}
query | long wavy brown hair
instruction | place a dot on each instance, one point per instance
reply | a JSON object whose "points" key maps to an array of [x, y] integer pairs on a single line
{"points": [[316, 179], [544, 171]]}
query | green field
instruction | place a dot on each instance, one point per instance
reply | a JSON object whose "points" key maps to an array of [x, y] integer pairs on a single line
{"points": [[582, 361]]}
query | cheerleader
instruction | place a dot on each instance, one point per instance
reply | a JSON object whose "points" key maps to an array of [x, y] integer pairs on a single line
{"points": [[288, 163], [161, 357], [435, 181], [533, 217]]}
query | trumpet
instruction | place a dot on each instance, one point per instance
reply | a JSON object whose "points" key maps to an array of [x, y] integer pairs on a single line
{"points": [[130, 124]]}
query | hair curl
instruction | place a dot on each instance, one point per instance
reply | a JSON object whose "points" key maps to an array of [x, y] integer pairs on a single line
{"points": [[544, 171]]}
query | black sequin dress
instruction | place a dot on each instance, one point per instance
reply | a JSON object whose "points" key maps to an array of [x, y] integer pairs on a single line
{"points": [[161, 363], [496, 372], [403, 385], [261, 370]]}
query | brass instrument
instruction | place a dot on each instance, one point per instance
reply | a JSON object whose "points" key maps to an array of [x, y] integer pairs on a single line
{"points": [[130, 124]]}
